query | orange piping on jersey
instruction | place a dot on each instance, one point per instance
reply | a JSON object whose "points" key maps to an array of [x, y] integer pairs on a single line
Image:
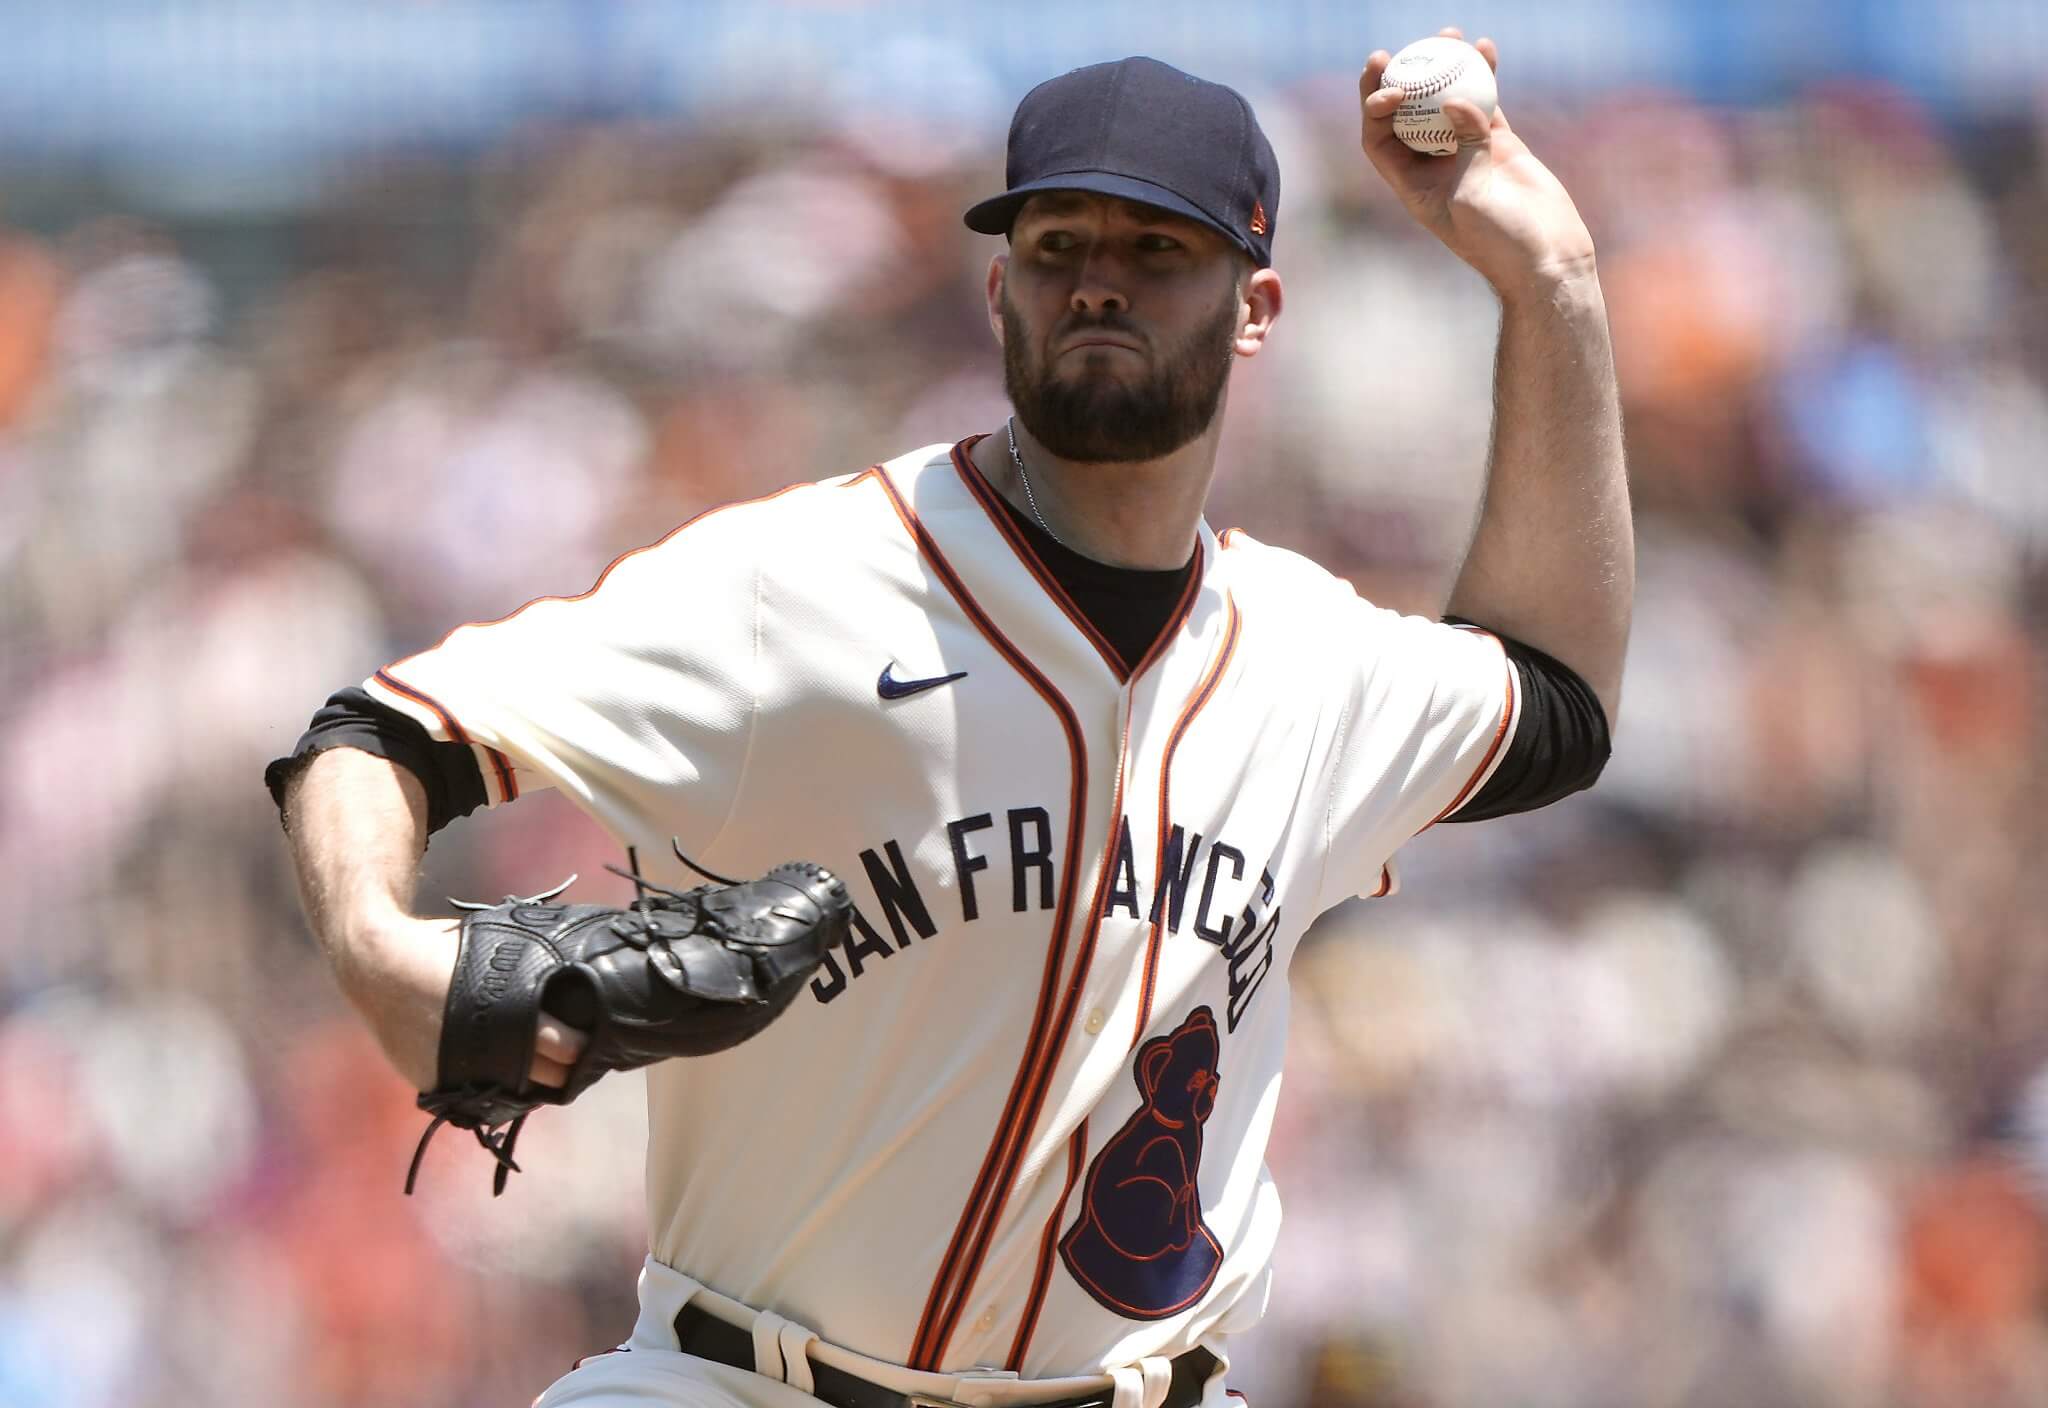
{"points": [[1181, 609], [1077, 1159], [1507, 716], [1386, 884], [986, 496], [950, 1285], [1205, 691], [508, 786], [592, 590], [1041, 1076], [1041, 1082]]}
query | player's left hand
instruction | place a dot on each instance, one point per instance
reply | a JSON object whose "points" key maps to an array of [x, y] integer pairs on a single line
{"points": [[1493, 203], [556, 1048]]}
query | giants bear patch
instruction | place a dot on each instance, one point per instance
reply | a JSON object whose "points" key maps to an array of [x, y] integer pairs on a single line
{"points": [[1140, 1246]]}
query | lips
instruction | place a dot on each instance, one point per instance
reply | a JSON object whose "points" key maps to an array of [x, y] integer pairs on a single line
{"points": [[1082, 343]]}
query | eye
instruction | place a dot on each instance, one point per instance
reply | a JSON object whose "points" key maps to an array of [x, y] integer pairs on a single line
{"points": [[1056, 241], [1152, 242]]}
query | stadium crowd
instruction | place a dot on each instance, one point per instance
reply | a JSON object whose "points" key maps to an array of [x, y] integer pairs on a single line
{"points": [[1724, 1084]]}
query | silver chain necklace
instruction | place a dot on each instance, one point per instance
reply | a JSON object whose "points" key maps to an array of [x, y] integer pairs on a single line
{"points": [[1010, 426]]}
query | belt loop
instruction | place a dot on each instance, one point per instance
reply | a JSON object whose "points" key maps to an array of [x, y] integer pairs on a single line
{"points": [[768, 1356], [1157, 1373], [1130, 1387], [688, 1285], [795, 1341]]}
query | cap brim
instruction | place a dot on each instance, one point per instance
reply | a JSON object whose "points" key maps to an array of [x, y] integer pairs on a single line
{"points": [[995, 215]]}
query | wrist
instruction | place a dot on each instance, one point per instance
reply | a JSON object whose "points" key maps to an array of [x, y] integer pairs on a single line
{"points": [[396, 975], [393, 961], [1564, 285]]}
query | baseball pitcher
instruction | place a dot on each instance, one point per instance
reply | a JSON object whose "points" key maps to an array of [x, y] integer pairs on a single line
{"points": [[977, 799]]}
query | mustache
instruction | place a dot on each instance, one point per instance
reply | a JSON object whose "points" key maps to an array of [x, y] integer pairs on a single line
{"points": [[1107, 321]]}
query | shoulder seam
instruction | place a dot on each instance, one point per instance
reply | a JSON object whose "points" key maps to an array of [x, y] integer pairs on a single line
{"points": [[605, 575]]}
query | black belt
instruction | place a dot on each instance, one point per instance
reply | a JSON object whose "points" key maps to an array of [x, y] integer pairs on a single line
{"points": [[703, 1334]]}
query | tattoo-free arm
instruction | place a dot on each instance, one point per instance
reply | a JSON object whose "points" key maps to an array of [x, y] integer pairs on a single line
{"points": [[1553, 560], [358, 826]]}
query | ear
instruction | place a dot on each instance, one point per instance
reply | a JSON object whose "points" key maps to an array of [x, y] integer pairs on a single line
{"points": [[1152, 1067], [997, 267], [1263, 298]]}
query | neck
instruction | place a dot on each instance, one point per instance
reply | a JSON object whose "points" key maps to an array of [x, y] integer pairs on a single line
{"points": [[1136, 513]]}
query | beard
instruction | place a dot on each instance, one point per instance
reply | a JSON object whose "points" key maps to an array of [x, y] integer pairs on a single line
{"points": [[1091, 417]]}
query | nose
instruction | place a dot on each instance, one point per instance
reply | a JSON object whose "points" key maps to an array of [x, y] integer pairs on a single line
{"points": [[1099, 289]]}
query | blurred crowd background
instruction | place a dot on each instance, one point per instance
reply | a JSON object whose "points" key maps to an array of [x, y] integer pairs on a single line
{"points": [[1723, 1086]]}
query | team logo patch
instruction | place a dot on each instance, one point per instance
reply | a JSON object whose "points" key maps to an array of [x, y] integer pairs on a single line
{"points": [[1140, 1246], [1258, 217]]}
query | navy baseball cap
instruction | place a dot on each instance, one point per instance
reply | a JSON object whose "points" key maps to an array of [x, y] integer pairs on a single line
{"points": [[1147, 132]]}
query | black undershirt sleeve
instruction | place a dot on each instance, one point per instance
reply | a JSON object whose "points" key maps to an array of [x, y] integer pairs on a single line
{"points": [[351, 718], [1561, 741]]}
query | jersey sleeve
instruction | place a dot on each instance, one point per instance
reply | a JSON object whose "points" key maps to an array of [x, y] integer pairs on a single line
{"points": [[1428, 710], [636, 698]]}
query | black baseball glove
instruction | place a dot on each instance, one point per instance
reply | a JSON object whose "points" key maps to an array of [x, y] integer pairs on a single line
{"points": [[673, 974]]}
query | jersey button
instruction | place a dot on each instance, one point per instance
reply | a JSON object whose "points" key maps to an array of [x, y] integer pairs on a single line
{"points": [[986, 1323], [1096, 1020]]}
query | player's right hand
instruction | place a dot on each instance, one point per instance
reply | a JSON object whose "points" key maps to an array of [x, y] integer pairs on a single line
{"points": [[1494, 204], [555, 1050]]}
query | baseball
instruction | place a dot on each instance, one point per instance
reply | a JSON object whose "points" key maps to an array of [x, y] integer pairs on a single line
{"points": [[1427, 72]]}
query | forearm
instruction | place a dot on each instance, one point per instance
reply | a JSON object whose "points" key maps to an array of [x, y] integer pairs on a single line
{"points": [[1552, 561], [357, 826]]}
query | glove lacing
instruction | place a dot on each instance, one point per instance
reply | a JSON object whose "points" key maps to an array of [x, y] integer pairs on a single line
{"points": [[497, 1142]]}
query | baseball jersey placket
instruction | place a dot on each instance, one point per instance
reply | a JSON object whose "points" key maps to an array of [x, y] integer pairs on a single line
{"points": [[967, 1246], [1077, 1142], [963, 1265], [1138, 766]]}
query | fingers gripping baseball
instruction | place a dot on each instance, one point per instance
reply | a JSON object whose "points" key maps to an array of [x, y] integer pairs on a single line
{"points": [[1491, 200], [1381, 98]]}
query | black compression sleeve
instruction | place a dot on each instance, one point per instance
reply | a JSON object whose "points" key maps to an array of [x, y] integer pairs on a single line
{"points": [[1561, 741], [351, 718]]}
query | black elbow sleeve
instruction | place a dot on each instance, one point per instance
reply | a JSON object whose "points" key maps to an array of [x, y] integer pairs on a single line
{"points": [[1561, 742], [448, 772]]}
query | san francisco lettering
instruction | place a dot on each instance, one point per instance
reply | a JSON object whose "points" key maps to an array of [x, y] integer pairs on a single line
{"points": [[1205, 885]]}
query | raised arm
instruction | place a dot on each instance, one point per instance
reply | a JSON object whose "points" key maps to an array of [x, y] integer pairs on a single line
{"points": [[1552, 562], [358, 826]]}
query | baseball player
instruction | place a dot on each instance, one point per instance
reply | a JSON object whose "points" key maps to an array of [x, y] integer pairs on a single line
{"points": [[1086, 768]]}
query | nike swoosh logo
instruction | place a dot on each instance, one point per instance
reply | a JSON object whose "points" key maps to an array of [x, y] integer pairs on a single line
{"points": [[889, 687]]}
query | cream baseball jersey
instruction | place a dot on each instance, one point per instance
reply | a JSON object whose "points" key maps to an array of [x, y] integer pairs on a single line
{"points": [[1020, 1119]]}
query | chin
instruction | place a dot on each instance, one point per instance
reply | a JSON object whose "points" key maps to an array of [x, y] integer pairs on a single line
{"points": [[1101, 372]]}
